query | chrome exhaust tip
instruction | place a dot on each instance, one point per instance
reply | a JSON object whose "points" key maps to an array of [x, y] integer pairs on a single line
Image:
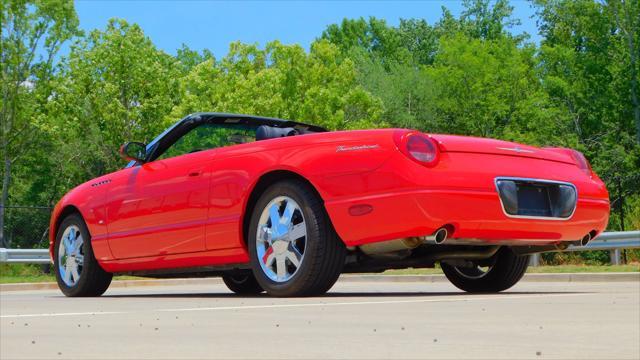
{"points": [[439, 236], [585, 240]]}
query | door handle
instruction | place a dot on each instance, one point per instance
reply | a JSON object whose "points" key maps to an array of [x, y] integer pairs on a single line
{"points": [[195, 173]]}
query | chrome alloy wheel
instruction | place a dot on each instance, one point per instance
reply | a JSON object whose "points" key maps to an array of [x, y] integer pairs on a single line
{"points": [[281, 239], [71, 255]]}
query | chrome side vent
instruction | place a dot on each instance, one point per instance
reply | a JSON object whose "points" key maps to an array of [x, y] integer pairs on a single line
{"points": [[102, 182]]}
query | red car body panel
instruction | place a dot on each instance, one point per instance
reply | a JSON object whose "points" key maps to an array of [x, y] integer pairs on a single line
{"points": [[188, 211], [161, 207]]}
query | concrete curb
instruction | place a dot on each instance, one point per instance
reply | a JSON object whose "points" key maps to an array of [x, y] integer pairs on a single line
{"points": [[557, 277], [115, 284], [551, 277], [584, 277]]}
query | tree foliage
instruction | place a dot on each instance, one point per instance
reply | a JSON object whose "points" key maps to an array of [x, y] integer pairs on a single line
{"points": [[32, 33], [116, 85], [468, 74], [588, 70], [281, 81], [488, 88]]}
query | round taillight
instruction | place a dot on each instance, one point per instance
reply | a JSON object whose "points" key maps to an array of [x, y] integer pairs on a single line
{"points": [[582, 162], [419, 147], [578, 158]]}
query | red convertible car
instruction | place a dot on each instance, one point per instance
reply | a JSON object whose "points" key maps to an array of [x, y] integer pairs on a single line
{"points": [[285, 207]]}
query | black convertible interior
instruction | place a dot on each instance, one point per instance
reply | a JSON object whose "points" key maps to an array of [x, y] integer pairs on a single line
{"points": [[264, 132], [265, 128]]}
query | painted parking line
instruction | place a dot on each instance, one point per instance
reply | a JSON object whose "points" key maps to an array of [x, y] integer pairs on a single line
{"points": [[61, 314], [303, 305], [383, 302]]}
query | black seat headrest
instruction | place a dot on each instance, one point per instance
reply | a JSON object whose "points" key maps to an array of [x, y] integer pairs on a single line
{"points": [[265, 132]]}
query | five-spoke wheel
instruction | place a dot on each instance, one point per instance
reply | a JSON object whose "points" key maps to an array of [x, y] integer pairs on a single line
{"points": [[281, 238], [293, 247], [77, 270], [71, 255]]}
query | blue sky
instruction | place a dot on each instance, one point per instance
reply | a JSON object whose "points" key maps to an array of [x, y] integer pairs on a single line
{"points": [[215, 24]]}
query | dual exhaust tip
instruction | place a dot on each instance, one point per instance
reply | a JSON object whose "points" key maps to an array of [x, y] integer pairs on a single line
{"points": [[585, 240], [438, 237], [582, 242], [441, 235]]}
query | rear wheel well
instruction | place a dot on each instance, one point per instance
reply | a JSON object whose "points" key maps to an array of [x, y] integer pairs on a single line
{"points": [[263, 183]]}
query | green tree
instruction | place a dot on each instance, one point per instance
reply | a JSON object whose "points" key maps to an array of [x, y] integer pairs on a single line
{"points": [[483, 19], [397, 64], [189, 58], [490, 88], [374, 38], [420, 39], [281, 81], [406, 91], [589, 69], [627, 20], [32, 33], [117, 86]]}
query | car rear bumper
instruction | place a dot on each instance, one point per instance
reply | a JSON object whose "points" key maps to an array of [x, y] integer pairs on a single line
{"points": [[472, 214], [461, 192]]}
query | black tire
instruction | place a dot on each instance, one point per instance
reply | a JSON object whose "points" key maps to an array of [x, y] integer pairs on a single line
{"points": [[94, 281], [507, 269], [324, 252], [242, 283]]}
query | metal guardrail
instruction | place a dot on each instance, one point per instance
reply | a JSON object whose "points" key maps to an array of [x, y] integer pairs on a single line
{"points": [[613, 241], [24, 256]]}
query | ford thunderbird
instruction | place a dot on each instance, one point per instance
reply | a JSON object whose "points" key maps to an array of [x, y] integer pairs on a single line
{"points": [[285, 207]]}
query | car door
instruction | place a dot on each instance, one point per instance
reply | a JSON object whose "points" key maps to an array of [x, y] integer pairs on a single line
{"points": [[159, 208], [162, 207]]}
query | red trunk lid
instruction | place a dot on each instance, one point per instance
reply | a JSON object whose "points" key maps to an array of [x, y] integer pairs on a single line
{"points": [[468, 144]]}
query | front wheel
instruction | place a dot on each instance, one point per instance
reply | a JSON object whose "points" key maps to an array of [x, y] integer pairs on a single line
{"points": [[77, 270], [505, 270], [293, 247]]}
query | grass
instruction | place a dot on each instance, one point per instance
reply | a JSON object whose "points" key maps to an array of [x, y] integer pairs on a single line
{"points": [[585, 268], [17, 273], [23, 273]]}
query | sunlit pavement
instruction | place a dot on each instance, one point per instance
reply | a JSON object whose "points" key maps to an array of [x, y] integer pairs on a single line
{"points": [[355, 320]]}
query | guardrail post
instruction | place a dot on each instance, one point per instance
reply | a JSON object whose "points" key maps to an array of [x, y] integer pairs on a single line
{"points": [[615, 256], [534, 260]]}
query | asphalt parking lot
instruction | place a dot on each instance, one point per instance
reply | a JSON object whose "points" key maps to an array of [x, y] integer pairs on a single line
{"points": [[534, 320]]}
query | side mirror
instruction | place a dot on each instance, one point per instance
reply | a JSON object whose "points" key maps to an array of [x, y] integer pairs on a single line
{"points": [[136, 151]]}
